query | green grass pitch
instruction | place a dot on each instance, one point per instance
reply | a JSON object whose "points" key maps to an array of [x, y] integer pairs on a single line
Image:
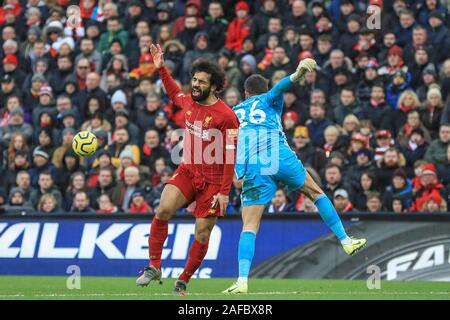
{"points": [[92, 288]]}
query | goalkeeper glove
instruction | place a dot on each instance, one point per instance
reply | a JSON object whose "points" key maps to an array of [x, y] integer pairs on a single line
{"points": [[306, 65]]}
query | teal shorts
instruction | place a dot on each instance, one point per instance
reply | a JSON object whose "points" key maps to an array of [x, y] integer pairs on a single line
{"points": [[260, 185]]}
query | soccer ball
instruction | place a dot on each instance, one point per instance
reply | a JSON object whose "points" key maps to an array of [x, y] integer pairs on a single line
{"points": [[84, 143]]}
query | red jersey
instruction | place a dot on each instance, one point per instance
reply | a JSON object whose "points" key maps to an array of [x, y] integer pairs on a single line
{"points": [[209, 146]]}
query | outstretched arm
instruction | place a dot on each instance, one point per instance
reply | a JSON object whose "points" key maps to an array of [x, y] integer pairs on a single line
{"points": [[282, 85], [173, 90], [306, 65]]}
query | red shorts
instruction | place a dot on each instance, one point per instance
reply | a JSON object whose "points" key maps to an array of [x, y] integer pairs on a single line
{"points": [[195, 189]]}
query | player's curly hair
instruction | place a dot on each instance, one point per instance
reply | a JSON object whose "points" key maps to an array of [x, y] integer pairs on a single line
{"points": [[217, 75]]}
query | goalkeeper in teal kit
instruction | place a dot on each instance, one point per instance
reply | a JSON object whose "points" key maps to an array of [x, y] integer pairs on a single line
{"points": [[264, 158]]}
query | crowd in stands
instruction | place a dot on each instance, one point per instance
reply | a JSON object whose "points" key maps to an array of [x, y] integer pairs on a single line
{"points": [[371, 124]]}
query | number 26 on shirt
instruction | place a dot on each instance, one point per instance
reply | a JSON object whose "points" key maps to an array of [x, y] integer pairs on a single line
{"points": [[256, 116]]}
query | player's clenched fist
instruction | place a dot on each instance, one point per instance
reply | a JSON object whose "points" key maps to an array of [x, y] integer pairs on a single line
{"points": [[306, 65]]}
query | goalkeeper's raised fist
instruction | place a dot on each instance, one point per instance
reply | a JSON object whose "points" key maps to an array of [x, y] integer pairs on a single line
{"points": [[306, 65]]}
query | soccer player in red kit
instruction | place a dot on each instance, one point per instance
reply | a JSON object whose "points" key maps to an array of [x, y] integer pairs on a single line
{"points": [[207, 170]]}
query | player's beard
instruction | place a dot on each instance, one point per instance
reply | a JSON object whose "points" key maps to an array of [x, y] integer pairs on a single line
{"points": [[202, 95]]}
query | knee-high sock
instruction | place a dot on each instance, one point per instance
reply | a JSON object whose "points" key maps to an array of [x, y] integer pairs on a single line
{"points": [[158, 235], [246, 252], [196, 254], [330, 216]]}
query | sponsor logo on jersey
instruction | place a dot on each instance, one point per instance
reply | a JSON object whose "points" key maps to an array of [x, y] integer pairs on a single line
{"points": [[197, 131]]}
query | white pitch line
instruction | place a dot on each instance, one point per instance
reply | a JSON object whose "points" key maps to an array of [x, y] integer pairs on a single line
{"points": [[224, 295]]}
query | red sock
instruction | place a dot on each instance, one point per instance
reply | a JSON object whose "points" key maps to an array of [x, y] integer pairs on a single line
{"points": [[158, 235], [196, 254]]}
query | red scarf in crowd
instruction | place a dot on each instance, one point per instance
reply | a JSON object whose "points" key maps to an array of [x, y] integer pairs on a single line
{"points": [[405, 109], [267, 60], [146, 150], [359, 47], [43, 124], [86, 13], [392, 69], [408, 129], [376, 103], [348, 207], [320, 28], [327, 148]]}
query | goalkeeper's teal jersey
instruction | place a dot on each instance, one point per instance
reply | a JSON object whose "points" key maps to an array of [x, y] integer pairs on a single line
{"points": [[261, 137]]}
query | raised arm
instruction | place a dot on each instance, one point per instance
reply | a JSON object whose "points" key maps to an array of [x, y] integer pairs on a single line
{"points": [[173, 90], [282, 85]]}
